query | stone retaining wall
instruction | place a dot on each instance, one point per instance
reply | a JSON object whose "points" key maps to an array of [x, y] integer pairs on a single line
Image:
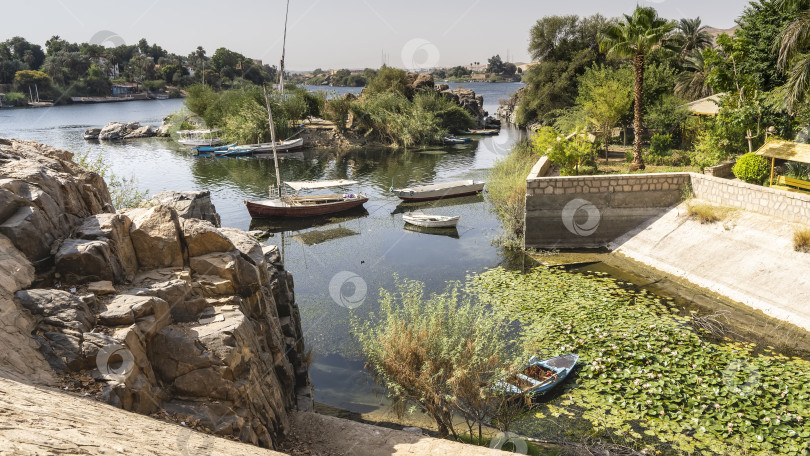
{"points": [[721, 170], [591, 211], [790, 206]]}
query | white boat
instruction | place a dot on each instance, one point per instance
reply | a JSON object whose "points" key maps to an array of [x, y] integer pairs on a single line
{"points": [[439, 191], [430, 221], [281, 146], [199, 138]]}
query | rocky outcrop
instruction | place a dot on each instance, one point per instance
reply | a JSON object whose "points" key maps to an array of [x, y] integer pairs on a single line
{"points": [[120, 130], [467, 99], [181, 317], [195, 205], [507, 111]]}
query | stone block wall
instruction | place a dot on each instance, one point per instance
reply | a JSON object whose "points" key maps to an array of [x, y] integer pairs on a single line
{"points": [[591, 211], [789, 206], [721, 170]]}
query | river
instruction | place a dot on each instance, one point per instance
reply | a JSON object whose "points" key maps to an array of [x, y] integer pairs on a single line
{"points": [[372, 244]]}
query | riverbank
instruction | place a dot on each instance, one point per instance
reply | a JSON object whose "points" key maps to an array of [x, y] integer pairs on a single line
{"points": [[747, 255]]}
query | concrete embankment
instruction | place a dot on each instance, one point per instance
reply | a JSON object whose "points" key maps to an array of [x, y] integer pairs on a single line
{"points": [[748, 257]]}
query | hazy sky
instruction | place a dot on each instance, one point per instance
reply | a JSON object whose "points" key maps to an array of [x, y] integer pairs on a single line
{"points": [[329, 33]]}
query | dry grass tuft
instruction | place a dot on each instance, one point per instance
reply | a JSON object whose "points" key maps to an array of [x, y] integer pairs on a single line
{"points": [[801, 240], [706, 213]]}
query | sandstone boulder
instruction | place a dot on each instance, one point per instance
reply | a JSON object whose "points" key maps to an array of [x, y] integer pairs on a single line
{"points": [[202, 237], [91, 133], [189, 204], [423, 81], [145, 131], [231, 266], [115, 229], [155, 235], [56, 308], [79, 261], [127, 309], [113, 130]]}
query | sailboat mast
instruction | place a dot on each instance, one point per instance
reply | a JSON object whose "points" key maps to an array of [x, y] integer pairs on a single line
{"points": [[272, 138], [284, 50]]}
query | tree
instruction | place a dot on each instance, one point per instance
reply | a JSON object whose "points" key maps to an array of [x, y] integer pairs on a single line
{"points": [[390, 80], [692, 36], [495, 64], [509, 69], [25, 78], [634, 37], [605, 95], [692, 81], [564, 47], [793, 45]]}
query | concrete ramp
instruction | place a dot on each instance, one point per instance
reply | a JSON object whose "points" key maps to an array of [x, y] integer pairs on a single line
{"points": [[747, 257]]}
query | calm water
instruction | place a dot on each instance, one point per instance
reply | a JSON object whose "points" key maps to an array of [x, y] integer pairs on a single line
{"points": [[372, 244]]}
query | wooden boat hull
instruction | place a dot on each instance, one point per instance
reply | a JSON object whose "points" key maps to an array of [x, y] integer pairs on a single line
{"points": [[431, 221], [560, 367], [283, 146], [455, 140], [206, 149], [440, 191], [258, 209], [481, 132]]}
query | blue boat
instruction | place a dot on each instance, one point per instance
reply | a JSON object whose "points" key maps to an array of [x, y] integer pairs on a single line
{"points": [[455, 140], [207, 149], [236, 151], [539, 376]]}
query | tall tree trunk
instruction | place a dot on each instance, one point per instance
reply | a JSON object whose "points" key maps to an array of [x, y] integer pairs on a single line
{"points": [[638, 67]]}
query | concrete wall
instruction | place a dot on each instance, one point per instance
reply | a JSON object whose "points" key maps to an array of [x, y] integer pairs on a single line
{"points": [[790, 206], [591, 211]]}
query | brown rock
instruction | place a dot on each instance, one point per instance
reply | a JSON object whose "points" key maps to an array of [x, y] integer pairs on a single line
{"points": [[155, 234], [80, 261], [202, 237], [115, 228], [126, 309], [101, 288]]}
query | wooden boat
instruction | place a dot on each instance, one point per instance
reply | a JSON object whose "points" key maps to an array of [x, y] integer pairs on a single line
{"points": [[206, 149], [485, 132], [455, 140], [197, 138], [539, 376], [235, 151], [307, 206], [430, 221], [439, 191], [281, 146]]}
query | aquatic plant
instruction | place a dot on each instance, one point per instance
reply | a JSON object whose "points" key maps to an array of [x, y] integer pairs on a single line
{"points": [[647, 377], [506, 189]]}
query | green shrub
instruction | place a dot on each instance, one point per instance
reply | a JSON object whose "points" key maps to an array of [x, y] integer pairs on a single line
{"points": [[751, 168], [443, 352], [337, 110], [569, 154], [660, 145], [123, 191], [506, 190], [15, 98], [391, 117]]}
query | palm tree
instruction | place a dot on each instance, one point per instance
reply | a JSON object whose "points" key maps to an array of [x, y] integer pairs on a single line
{"points": [[634, 37], [691, 82], [692, 35], [792, 46]]}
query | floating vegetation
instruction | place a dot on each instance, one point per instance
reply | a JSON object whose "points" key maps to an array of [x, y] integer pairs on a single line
{"points": [[318, 236], [649, 377]]}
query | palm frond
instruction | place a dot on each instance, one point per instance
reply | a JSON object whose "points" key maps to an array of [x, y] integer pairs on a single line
{"points": [[793, 39]]}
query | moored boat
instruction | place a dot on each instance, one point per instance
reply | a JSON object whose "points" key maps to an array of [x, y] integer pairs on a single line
{"points": [[484, 132], [539, 376], [296, 205], [430, 221], [207, 149], [197, 138], [439, 191], [281, 146], [455, 140]]}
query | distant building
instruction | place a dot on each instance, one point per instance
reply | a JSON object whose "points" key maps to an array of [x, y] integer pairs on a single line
{"points": [[124, 89], [257, 62]]}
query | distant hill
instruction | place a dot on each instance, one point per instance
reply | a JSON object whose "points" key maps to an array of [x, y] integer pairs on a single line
{"points": [[715, 32]]}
